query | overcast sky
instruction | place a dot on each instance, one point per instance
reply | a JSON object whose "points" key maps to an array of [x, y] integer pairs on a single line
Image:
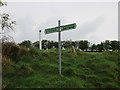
{"points": [[96, 21]]}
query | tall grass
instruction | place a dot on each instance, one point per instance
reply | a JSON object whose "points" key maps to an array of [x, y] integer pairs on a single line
{"points": [[39, 69]]}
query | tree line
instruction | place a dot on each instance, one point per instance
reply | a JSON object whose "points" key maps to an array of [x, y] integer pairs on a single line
{"points": [[83, 45]]}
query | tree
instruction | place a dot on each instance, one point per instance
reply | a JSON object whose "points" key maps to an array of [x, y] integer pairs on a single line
{"points": [[114, 45], [86, 43], [63, 44], [73, 43], [56, 44], [83, 45], [77, 44], [67, 44], [100, 47], [6, 25], [50, 44], [2, 3], [44, 44], [94, 47], [36, 44], [107, 45], [26, 43]]}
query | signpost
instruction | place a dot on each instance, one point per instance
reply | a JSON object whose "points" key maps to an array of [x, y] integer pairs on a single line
{"points": [[59, 29], [59, 46]]}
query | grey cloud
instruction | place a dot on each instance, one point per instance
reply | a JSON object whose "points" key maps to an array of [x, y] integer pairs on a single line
{"points": [[89, 27], [52, 22], [81, 32], [24, 29]]}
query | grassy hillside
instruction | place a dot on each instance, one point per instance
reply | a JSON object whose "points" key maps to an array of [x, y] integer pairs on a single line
{"points": [[39, 69]]}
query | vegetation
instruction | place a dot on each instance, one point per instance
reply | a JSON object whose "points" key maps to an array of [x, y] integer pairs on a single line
{"points": [[6, 26], [83, 45], [25, 66], [34, 68]]}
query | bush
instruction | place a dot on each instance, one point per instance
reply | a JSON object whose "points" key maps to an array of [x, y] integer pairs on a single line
{"points": [[10, 50], [34, 51], [14, 52], [26, 58], [24, 67], [68, 71], [6, 62], [23, 51]]}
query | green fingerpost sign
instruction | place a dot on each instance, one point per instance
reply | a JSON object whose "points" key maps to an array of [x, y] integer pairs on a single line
{"points": [[68, 27], [62, 28]]}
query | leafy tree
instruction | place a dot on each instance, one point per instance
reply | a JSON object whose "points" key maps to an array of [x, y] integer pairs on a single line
{"points": [[114, 45], [6, 25], [76, 44], [68, 44], [44, 44], [63, 44], [56, 44], [83, 45], [86, 43], [36, 44], [50, 44], [73, 43], [94, 47], [2, 3], [100, 47], [107, 45], [26, 43]]}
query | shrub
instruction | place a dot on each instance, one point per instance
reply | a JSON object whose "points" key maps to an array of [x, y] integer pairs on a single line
{"points": [[10, 50], [68, 71], [34, 51], [22, 66], [26, 58], [6, 62], [23, 51]]}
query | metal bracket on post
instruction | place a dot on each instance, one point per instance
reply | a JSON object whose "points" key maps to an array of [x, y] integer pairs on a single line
{"points": [[59, 46]]}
